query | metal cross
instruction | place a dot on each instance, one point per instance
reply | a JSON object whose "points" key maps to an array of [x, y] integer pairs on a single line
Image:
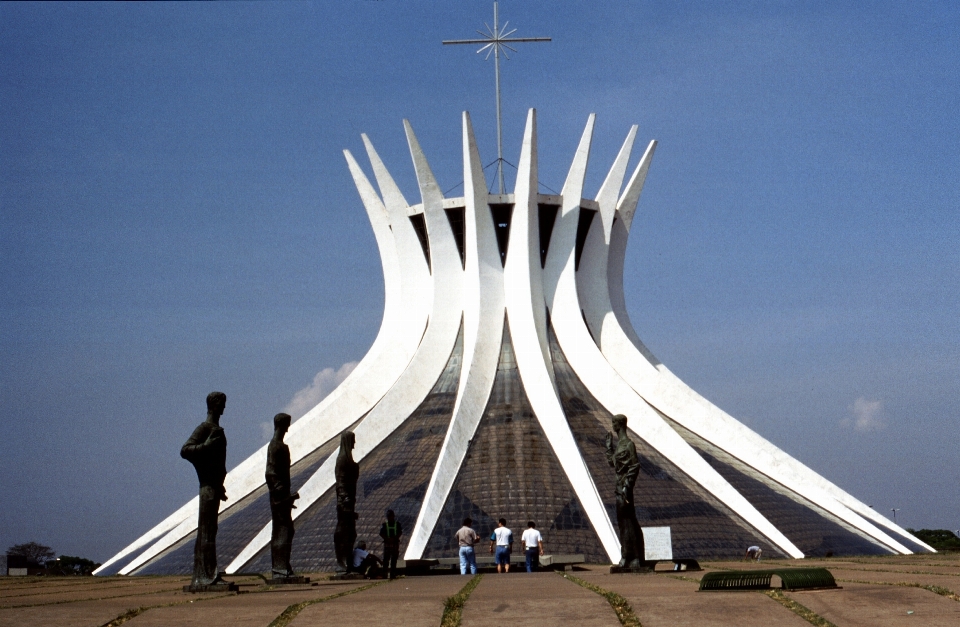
{"points": [[494, 40]]}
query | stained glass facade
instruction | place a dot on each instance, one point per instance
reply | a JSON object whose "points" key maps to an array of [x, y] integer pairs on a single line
{"points": [[701, 527], [812, 529], [511, 471], [392, 476]]}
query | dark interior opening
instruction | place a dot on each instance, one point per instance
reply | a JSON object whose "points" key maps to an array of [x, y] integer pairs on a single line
{"points": [[548, 216], [501, 225], [420, 226], [583, 227], [456, 216]]}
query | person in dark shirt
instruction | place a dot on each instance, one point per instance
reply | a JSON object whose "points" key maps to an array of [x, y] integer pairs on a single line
{"points": [[207, 451], [391, 531], [277, 476]]}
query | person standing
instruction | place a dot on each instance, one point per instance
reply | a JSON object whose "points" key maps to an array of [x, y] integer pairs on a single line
{"points": [[391, 531], [533, 545], [502, 540], [206, 449], [467, 539]]}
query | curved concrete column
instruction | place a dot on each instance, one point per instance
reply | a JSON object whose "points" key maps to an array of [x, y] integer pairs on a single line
{"points": [[527, 317], [406, 288], [427, 364], [603, 382], [600, 283], [425, 304], [483, 319]]}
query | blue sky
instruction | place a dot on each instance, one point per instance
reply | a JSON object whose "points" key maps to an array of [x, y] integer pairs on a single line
{"points": [[176, 216]]}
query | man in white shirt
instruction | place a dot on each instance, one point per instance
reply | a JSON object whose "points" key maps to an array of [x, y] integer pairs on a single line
{"points": [[467, 538], [533, 544], [502, 540], [363, 562]]}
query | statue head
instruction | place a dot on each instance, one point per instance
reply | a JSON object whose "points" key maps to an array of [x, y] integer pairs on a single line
{"points": [[619, 422], [216, 402], [347, 441], [281, 422]]}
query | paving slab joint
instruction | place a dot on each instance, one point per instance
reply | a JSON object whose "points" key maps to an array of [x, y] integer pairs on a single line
{"points": [[287, 615], [619, 604], [453, 606], [803, 612], [133, 613]]}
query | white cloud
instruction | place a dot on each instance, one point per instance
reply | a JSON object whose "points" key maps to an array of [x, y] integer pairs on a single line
{"points": [[324, 382], [266, 429], [867, 415]]}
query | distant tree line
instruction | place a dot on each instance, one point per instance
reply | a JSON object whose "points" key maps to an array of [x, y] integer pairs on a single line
{"points": [[40, 556], [940, 539]]}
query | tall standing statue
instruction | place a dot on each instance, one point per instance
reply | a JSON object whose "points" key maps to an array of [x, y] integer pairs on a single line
{"points": [[622, 455], [281, 500], [207, 451], [347, 474]]}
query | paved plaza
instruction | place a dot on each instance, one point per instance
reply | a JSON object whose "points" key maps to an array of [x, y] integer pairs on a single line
{"points": [[876, 592]]}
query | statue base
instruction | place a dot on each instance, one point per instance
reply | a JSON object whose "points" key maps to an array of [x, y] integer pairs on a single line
{"points": [[288, 581], [643, 567], [223, 586]]}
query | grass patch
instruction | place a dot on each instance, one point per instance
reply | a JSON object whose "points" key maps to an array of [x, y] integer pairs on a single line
{"points": [[620, 605], [287, 615], [119, 620], [682, 578], [805, 613], [453, 606]]}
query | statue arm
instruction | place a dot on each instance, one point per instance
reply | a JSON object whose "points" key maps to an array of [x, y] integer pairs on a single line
{"points": [[196, 444], [271, 475], [611, 450], [632, 470]]}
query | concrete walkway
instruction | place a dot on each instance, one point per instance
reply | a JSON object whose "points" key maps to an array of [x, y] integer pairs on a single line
{"points": [[410, 602], [661, 600], [658, 600], [255, 609], [859, 605], [535, 600]]}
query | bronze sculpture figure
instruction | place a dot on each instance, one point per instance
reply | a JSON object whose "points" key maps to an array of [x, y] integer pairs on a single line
{"points": [[206, 449], [281, 500], [347, 474], [623, 457]]}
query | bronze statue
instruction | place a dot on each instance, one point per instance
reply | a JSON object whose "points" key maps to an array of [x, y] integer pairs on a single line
{"points": [[281, 500], [207, 451], [623, 458], [347, 474]]}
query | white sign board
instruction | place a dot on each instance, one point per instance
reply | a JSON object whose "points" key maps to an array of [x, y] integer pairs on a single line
{"points": [[656, 543]]}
